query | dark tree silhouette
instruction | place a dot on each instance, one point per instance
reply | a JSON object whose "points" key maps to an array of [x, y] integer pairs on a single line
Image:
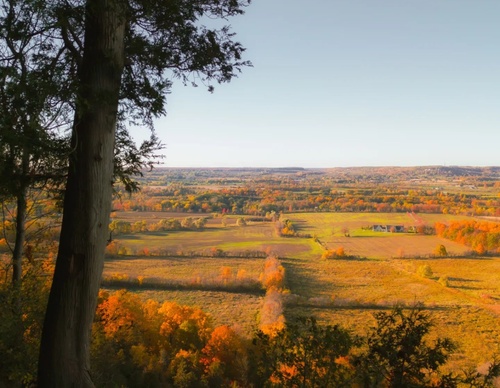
{"points": [[126, 49]]}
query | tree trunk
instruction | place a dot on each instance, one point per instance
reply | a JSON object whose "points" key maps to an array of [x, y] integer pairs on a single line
{"points": [[17, 254], [64, 353]]}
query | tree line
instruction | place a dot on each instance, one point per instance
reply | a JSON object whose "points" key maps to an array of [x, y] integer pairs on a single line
{"points": [[482, 236], [262, 198]]}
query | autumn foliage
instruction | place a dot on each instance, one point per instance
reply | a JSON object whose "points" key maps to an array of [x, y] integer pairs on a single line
{"points": [[139, 343], [481, 236], [337, 253], [273, 275], [272, 278], [275, 193]]}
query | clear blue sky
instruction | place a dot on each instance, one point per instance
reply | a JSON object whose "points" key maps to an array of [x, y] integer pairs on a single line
{"points": [[349, 83]]}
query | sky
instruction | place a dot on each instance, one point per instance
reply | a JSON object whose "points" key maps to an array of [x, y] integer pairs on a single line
{"points": [[340, 83]]}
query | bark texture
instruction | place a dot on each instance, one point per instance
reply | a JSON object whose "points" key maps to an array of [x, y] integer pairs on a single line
{"points": [[64, 353]]}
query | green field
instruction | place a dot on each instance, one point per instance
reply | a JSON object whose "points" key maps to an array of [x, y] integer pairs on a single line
{"points": [[382, 271]]}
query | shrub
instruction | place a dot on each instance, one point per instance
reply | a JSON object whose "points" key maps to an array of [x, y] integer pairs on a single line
{"points": [[273, 275], [123, 251], [226, 275], [443, 280], [200, 223], [286, 228], [113, 248], [216, 252], [440, 250], [425, 271], [328, 254], [272, 319], [334, 253], [340, 252]]}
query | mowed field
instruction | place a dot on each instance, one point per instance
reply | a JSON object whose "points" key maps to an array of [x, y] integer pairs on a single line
{"points": [[394, 245], [344, 291]]}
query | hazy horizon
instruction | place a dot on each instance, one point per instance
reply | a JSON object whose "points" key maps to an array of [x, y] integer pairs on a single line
{"points": [[328, 167]]}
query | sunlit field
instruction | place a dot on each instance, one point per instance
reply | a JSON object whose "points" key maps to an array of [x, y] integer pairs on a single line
{"points": [[380, 270], [387, 245]]}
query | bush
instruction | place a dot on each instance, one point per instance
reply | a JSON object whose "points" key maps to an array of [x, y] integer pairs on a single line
{"points": [[440, 251], [443, 280], [334, 253], [425, 271]]}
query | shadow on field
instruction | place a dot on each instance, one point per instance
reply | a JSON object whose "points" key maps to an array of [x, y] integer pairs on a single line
{"points": [[179, 258], [356, 306], [465, 287], [299, 278], [471, 257], [353, 258], [302, 225], [252, 289], [434, 257], [353, 236], [463, 280]]}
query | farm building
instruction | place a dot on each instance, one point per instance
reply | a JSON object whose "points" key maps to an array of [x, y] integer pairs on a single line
{"points": [[389, 228]]}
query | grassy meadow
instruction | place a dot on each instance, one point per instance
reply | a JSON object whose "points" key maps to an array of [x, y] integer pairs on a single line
{"points": [[383, 269]]}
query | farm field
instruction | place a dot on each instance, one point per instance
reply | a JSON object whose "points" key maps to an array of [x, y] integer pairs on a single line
{"points": [[327, 224], [348, 292], [196, 270], [226, 288], [253, 237], [394, 245], [345, 291]]}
